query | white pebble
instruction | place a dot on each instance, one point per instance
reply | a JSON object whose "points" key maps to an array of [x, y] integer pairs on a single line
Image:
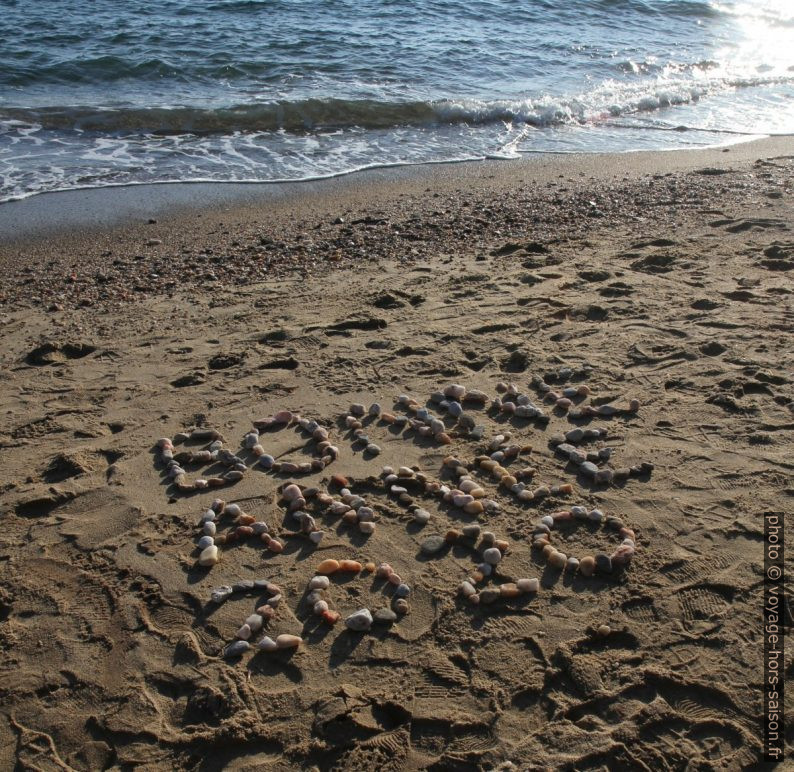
{"points": [[267, 644]]}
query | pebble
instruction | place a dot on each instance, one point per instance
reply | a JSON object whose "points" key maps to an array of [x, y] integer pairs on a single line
{"points": [[209, 556], [267, 461], [209, 526], [384, 616], [205, 541], [315, 537], [328, 566], [572, 564], [467, 589], [604, 630], [432, 544], [455, 391], [492, 556], [236, 648], [509, 590], [220, 594], [421, 516], [244, 633], [489, 595], [557, 560], [528, 585], [401, 606], [587, 566], [596, 515], [287, 641], [588, 468], [471, 531], [320, 607], [367, 528], [267, 644], [359, 621], [603, 563], [402, 591]]}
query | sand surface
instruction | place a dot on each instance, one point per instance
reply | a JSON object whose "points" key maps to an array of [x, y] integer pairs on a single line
{"points": [[672, 286]]}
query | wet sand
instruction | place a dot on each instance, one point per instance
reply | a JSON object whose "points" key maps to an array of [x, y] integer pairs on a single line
{"points": [[664, 278]]}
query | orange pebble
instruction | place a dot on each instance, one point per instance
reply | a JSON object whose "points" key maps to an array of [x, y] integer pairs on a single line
{"points": [[566, 488], [340, 480], [329, 566], [369, 567], [266, 538], [502, 545], [350, 565], [509, 590], [443, 438], [243, 531], [452, 536], [246, 519], [331, 617], [275, 546]]}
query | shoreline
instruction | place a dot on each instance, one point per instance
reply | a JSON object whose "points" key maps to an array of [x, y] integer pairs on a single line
{"points": [[47, 215], [106, 248]]}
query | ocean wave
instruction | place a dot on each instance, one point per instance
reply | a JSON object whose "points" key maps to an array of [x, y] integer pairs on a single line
{"points": [[609, 99]]}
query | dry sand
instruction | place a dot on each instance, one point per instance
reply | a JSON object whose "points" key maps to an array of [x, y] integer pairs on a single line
{"points": [[670, 276]]}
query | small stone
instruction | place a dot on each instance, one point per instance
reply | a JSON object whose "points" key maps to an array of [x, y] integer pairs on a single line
{"points": [[267, 644], [603, 563], [603, 630], [209, 556], [402, 591], [421, 516], [384, 616], [320, 607], [509, 590], [357, 409], [373, 449], [204, 542], [557, 560], [467, 589], [367, 528], [220, 594], [471, 531], [287, 641], [432, 544], [492, 556], [572, 564], [489, 595], [255, 622], [528, 585], [359, 621], [589, 469], [587, 566], [236, 648], [401, 606], [329, 566]]}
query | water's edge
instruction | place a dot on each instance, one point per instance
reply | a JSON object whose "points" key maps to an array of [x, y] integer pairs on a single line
{"points": [[46, 215]]}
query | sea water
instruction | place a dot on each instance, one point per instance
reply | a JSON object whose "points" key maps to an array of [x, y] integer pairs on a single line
{"points": [[113, 92]]}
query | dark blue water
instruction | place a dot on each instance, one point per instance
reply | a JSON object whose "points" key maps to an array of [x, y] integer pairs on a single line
{"points": [[110, 92]]}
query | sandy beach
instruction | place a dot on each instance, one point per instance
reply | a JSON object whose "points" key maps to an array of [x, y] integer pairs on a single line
{"points": [[135, 314]]}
